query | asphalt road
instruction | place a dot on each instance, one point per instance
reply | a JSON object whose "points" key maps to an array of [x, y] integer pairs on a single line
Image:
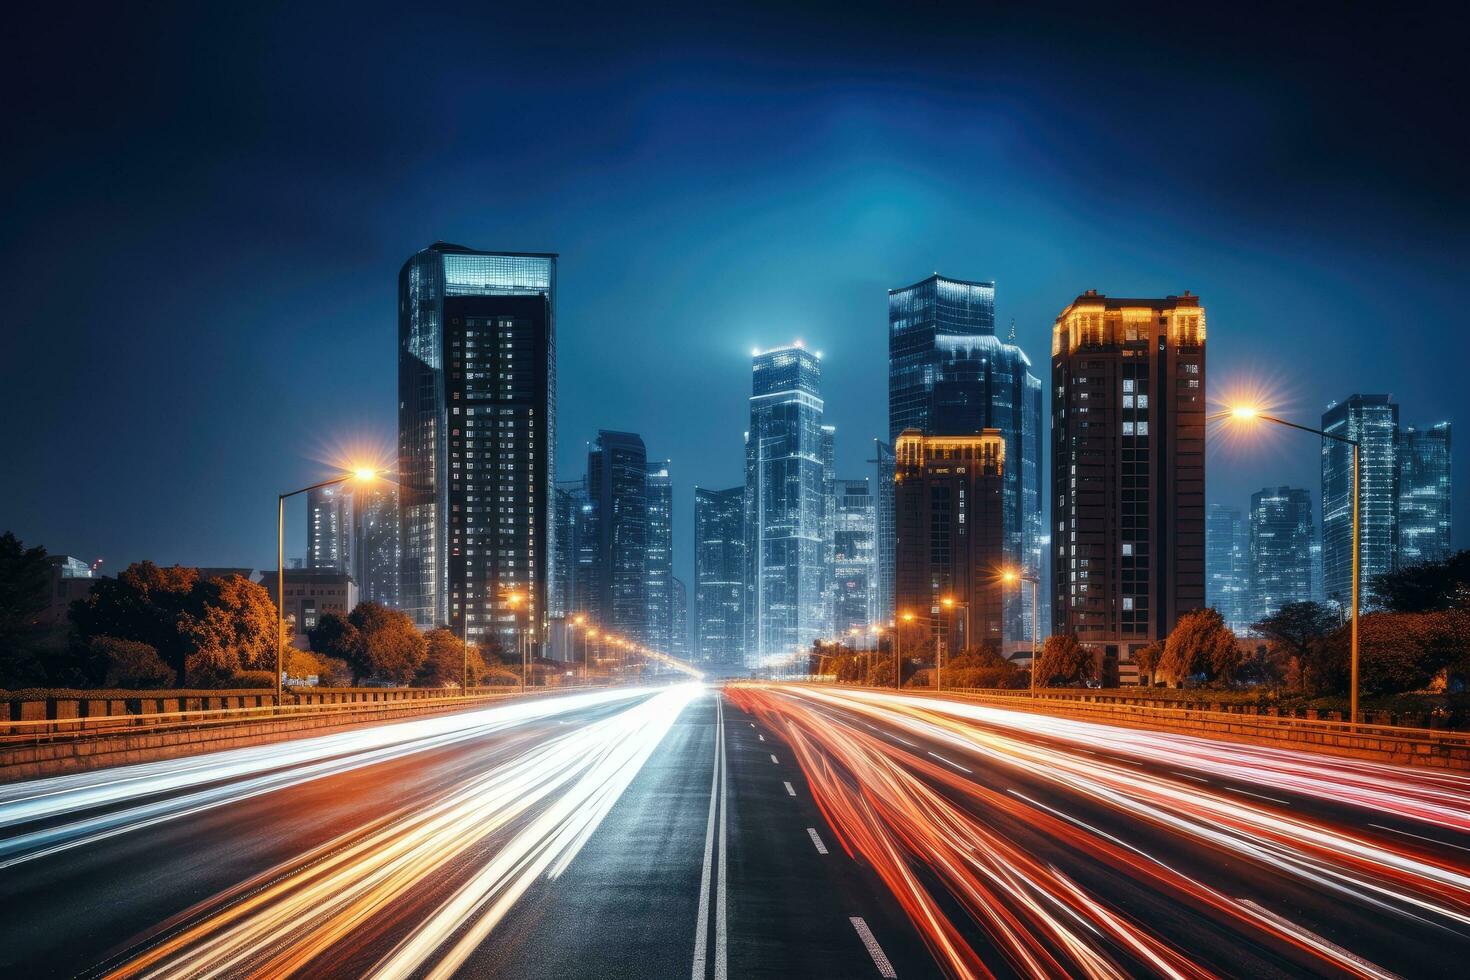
{"points": [[777, 832]]}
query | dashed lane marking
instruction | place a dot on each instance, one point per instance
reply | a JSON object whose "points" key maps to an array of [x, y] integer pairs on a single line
{"points": [[789, 790], [816, 841], [880, 959]]}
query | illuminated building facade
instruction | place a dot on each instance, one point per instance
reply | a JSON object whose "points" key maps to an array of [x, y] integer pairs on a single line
{"points": [[950, 515], [329, 529], [1280, 550], [788, 572], [854, 539], [1424, 495], [617, 488], [883, 534], [949, 374], [719, 575], [476, 439], [376, 558], [1227, 566], [1128, 471], [659, 564], [1372, 420]]}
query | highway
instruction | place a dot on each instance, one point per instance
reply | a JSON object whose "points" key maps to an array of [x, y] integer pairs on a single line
{"points": [[775, 831]]}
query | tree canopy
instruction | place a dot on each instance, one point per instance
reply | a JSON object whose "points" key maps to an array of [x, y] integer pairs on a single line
{"points": [[377, 642], [1431, 586], [1064, 661], [1200, 645]]}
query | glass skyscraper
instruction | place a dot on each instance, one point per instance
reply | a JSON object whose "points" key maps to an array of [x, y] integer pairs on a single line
{"points": [[885, 541], [1280, 550], [476, 439], [829, 522], [1424, 494], [617, 488], [854, 539], [719, 575], [1227, 566], [788, 576], [329, 529], [949, 374], [659, 567], [376, 557], [1373, 420]]}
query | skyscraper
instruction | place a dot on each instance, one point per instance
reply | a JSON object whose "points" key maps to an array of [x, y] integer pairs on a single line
{"points": [[679, 644], [329, 529], [829, 523], [1424, 495], [617, 488], [949, 374], [785, 503], [566, 497], [1372, 420], [1128, 469], [1227, 566], [854, 534], [949, 510], [719, 575], [377, 560], [1280, 550], [883, 544], [659, 632], [476, 438]]}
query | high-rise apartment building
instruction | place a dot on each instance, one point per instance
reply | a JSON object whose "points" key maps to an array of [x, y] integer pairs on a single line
{"points": [[477, 439], [1128, 469], [659, 566], [679, 643], [719, 575], [785, 474], [829, 523], [330, 525], [1373, 421], [1280, 550], [949, 509], [566, 498], [854, 538], [617, 488], [1227, 566], [883, 540], [1424, 495], [949, 374]]}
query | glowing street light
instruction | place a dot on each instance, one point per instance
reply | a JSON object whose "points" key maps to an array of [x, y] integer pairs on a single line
{"points": [[1251, 414], [360, 474], [1013, 576]]}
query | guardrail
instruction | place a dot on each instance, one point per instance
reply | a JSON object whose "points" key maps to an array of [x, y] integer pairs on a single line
{"points": [[39, 731]]}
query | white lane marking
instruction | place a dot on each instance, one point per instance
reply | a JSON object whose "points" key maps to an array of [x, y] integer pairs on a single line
{"points": [[789, 790], [721, 916], [1185, 775], [761, 737], [775, 760], [1260, 796], [900, 738], [701, 925], [1323, 943], [812, 833], [880, 958], [752, 724], [948, 762], [1431, 840]]}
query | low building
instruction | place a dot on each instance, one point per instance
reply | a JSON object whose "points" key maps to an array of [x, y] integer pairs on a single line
{"points": [[310, 595], [71, 579]]}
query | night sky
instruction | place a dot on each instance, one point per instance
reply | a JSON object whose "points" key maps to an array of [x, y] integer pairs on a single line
{"points": [[206, 213]]}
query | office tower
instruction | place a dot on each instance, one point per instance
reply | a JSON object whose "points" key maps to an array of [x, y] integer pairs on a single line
{"points": [[719, 575], [659, 565], [784, 489], [883, 569], [1128, 470], [829, 523], [617, 488], [566, 501], [950, 512], [476, 439], [679, 644], [1280, 550], [1227, 566], [1372, 420], [949, 374], [1424, 495], [853, 562], [329, 529], [1318, 593], [376, 557]]}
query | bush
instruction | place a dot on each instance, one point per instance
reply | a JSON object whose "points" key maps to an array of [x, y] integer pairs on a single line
{"points": [[131, 664]]}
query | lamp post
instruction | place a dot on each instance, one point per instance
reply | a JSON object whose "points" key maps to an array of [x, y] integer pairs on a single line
{"points": [[363, 475], [513, 599], [1246, 413], [1013, 576], [898, 651], [950, 603], [877, 632]]}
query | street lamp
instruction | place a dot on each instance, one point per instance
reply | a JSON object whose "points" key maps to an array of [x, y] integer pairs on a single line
{"points": [[907, 617], [361, 474], [950, 603], [1249, 413], [1012, 576], [513, 599]]}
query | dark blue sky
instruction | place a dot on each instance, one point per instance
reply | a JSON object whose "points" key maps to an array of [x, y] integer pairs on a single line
{"points": [[207, 211]]}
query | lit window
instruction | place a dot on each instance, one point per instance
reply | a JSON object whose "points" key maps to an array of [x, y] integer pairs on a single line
{"points": [[1143, 428], [1127, 549], [1128, 428], [1127, 603]]}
